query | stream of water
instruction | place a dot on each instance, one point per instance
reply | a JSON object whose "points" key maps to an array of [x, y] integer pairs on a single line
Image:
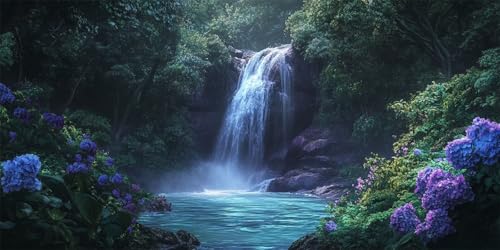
{"points": [[241, 220]]}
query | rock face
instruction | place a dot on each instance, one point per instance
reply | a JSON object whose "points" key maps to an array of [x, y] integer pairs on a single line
{"points": [[308, 242], [207, 107], [314, 160], [151, 238]]}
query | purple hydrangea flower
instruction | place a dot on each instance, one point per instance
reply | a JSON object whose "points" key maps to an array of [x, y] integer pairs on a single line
{"points": [[437, 224], [404, 219], [22, 114], [330, 226], [12, 136], [77, 167], [88, 146], [21, 174], [78, 158], [102, 180], [135, 188], [422, 179], [405, 150], [116, 193], [127, 197], [130, 207], [109, 162], [117, 179], [445, 191], [485, 136], [6, 95], [53, 120], [460, 153]]}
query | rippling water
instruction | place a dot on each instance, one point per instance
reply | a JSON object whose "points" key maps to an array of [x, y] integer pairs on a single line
{"points": [[241, 220]]}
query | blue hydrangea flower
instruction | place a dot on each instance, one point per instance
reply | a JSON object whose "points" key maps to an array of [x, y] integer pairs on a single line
{"points": [[437, 224], [78, 158], [460, 153], [417, 152], [485, 136], [21, 174], [12, 136], [102, 180], [22, 114], [422, 179], [53, 120], [88, 146], [6, 95], [77, 167], [127, 197], [330, 226], [117, 179], [445, 191], [109, 162], [116, 193], [404, 219]]}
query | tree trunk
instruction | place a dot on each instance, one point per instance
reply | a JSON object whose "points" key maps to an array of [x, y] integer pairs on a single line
{"points": [[136, 99]]}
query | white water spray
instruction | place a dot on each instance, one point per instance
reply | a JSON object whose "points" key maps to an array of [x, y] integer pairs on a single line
{"points": [[241, 138]]}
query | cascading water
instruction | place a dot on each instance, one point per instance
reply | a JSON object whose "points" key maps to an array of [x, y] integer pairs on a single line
{"points": [[241, 139], [240, 146]]}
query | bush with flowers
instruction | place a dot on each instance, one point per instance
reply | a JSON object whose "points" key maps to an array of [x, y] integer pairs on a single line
{"points": [[423, 199], [58, 189]]}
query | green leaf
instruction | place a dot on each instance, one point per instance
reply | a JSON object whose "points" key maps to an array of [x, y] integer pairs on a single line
{"points": [[56, 214], [90, 209], [56, 183]]}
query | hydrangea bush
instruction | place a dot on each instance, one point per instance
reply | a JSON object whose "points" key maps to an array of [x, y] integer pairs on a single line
{"points": [[428, 199], [67, 184]]}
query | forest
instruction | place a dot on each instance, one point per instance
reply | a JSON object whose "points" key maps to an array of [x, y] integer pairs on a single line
{"points": [[250, 124]]}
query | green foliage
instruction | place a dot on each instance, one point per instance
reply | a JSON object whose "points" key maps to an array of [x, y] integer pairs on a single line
{"points": [[6, 49], [440, 112], [91, 123], [375, 52], [252, 24]]}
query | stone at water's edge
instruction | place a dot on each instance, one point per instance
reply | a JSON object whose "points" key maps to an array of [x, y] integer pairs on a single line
{"points": [[308, 242], [152, 238]]}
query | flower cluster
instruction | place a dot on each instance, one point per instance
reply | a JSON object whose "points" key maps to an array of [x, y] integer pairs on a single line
{"points": [[53, 120], [404, 219], [21, 174], [439, 191], [485, 135], [22, 114], [6, 95], [481, 145], [437, 224], [330, 226], [88, 146], [422, 179], [363, 184], [85, 159], [445, 191], [417, 152]]}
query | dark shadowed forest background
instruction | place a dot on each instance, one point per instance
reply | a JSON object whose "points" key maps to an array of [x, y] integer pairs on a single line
{"points": [[149, 81]]}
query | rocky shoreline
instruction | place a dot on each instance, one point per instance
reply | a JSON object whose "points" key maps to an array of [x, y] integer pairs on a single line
{"points": [[158, 239]]}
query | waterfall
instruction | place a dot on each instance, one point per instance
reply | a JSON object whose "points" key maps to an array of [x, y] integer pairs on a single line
{"points": [[241, 138]]}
